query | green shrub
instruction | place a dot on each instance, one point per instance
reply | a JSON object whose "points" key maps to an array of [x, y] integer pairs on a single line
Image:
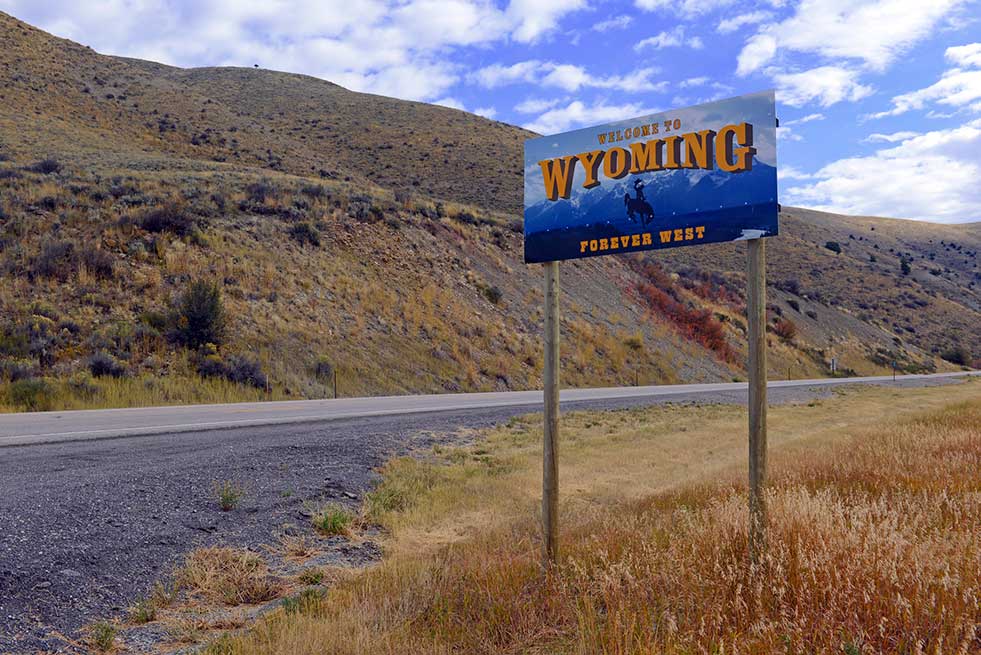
{"points": [[239, 369], [957, 355], [259, 191], [304, 233], [833, 246], [144, 611], [635, 342], [199, 316], [245, 370], [56, 260], [229, 494], [33, 394], [14, 369], [493, 294], [311, 576], [102, 364], [103, 635], [45, 166], [323, 369], [170, 217], [333, 519], [154, 319], [83, 386]]}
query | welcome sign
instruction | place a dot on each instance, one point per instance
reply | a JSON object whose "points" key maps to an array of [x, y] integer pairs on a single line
{"points": [[703, 174]]}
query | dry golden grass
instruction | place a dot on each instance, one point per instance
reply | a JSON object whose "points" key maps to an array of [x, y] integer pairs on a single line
{"points": [[227, 575], [874, 544]]}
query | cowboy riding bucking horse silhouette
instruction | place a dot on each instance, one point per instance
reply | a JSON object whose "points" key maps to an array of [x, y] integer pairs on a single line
{"points": [[638, 205]]}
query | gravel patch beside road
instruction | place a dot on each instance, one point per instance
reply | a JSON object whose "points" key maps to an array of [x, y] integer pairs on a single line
{"points": [[86, 528]]}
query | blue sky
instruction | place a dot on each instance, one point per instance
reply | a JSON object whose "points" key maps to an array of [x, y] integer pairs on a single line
{"points": [[879, 100]]}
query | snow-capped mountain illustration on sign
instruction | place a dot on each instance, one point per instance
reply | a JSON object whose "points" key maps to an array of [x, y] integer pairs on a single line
{"points": [[680, 199]]}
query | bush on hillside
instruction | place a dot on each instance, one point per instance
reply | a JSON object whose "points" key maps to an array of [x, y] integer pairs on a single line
{"points": [[833, 246], [323, 369], [14, 369], [245, 370], [56, 260], [304, 233], [32, 394], [237, 368], [957, 355], [785, 329], [98, 262], [259, 191], [493, 294], [45, 167], [198, 316], [170, 217], [102, 364]]}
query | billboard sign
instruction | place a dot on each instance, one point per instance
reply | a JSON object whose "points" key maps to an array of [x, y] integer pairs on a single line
{"points": [[703, 174]]}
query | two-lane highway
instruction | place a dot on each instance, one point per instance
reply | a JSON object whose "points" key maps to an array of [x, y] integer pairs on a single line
{"points": [[50, 427]]}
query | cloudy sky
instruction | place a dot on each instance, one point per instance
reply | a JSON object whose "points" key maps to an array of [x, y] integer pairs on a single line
{"points": [[879, 100]]}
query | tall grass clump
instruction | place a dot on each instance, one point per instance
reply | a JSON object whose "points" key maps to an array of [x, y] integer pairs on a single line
{"points": [[227, 575]]}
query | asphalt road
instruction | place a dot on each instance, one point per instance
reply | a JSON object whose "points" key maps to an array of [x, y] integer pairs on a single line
{"points": [[52, 427]]}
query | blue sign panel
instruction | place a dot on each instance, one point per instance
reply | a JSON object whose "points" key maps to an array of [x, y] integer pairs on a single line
{"points": [[704, 174]]}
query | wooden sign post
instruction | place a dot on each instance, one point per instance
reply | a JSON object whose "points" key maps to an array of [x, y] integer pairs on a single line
{"points": [[550, 464], [756, 310]]}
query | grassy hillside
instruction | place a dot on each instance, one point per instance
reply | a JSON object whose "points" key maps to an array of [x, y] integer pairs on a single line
{"points": [[379, 239]]}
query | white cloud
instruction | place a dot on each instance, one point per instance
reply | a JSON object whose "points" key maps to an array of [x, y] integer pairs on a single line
{"points": [[674, 38], [578, 114], [875, 32], [452, 103], [806, 119], [968, 55], [535, 105], [486, 112], [792, 173], [788, 134], [957, 88], [729, 25], [534, 18], [568, 77], [618, 23], [826, 85], [497, 75], [890, 138], [930, 176], [758, 51], [689, 8], [693, 81]]}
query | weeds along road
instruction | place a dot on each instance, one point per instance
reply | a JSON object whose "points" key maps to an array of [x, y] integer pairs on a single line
{"points": [[86, 527]]}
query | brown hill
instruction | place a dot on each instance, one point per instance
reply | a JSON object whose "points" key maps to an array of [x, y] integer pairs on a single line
{"points": [[380, 237]]}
